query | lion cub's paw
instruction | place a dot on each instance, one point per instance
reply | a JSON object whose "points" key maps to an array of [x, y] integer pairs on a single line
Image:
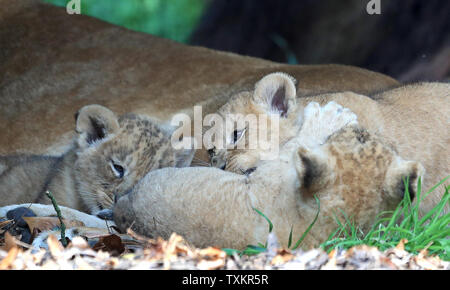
{"points": [[319, 123]]}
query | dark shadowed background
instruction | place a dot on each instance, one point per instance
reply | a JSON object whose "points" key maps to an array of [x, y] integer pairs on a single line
{"points": [[409, 40]]}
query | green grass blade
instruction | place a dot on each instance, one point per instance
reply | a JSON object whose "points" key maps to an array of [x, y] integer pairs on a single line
{"points": [[266, 218], [290, 238], [310, 226]]}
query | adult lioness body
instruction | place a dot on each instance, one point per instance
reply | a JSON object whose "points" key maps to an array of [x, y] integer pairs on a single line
{"points": [[52, 63]]}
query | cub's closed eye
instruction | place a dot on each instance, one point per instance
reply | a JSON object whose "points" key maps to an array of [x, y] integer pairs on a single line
{"points": [[118, 170]]}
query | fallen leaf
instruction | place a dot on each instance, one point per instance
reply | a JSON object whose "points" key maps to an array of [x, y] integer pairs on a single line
{"points": [[387, 262], [111, 244], [9, 259], [79, 242], [332, 260], [170, 249], [49, 223], [55, 247], [82, 264], [212, 253], [5, 223], [401, 244], [211, 265], [10, 242], [282, 257]]}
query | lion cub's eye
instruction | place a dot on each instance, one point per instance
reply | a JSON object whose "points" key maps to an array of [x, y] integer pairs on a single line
{"points": [[237, 134], [118, 170]]}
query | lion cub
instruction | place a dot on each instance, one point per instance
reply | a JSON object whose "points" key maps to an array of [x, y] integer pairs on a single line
{"points": [[108, 157], [412, 118], [212, 207]]}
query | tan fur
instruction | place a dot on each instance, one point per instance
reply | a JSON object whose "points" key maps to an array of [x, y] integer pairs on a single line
{"points": [[107, 158], [52, 63], [209, 206], [414, 118]]}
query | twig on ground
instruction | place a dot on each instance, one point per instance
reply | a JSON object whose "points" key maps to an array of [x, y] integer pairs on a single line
{"points": [[58, 213]]}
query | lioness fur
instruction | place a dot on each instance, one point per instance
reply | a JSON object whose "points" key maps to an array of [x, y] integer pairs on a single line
{"points": [[52, 62]]}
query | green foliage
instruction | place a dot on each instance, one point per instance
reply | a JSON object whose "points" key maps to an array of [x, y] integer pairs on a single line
{"points": [[431, 232], [253, 250], [266, 218], [173, 19]]}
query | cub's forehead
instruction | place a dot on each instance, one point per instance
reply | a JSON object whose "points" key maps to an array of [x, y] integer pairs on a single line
{"points": [[140, 133], [238, 103], [141, 140], [132, 124]]}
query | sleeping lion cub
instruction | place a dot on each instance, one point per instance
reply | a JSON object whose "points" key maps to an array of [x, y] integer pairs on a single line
{"points": [[351, 170], [109, 156], [414, 118]]}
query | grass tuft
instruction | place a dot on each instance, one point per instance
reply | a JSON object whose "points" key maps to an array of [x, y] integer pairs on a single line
{"points": [[260, 248], [431, 232]]}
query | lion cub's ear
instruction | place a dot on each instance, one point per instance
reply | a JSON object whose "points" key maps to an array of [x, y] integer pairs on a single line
{"points": [[276, 93], [312, 169], [93, 123], [399, 171]]}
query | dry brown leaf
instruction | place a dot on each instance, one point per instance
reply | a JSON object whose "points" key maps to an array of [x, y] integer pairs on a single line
{"points": [[386, 261], [139, 237], [5, 223], [211, 265], [10, 242], [79, 242], [9, 259], [211, 258], [332, 260], [172, 245], [49, 223], [401, 244], [424, 263], [170, 249], [212, 253], [55, 247], [424, 252], [82, 264], [111, 244], [282, 257]]}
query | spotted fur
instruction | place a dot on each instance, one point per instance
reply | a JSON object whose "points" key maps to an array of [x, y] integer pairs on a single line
{"points": [[106, 160], [414, 118], [216, 207]]}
